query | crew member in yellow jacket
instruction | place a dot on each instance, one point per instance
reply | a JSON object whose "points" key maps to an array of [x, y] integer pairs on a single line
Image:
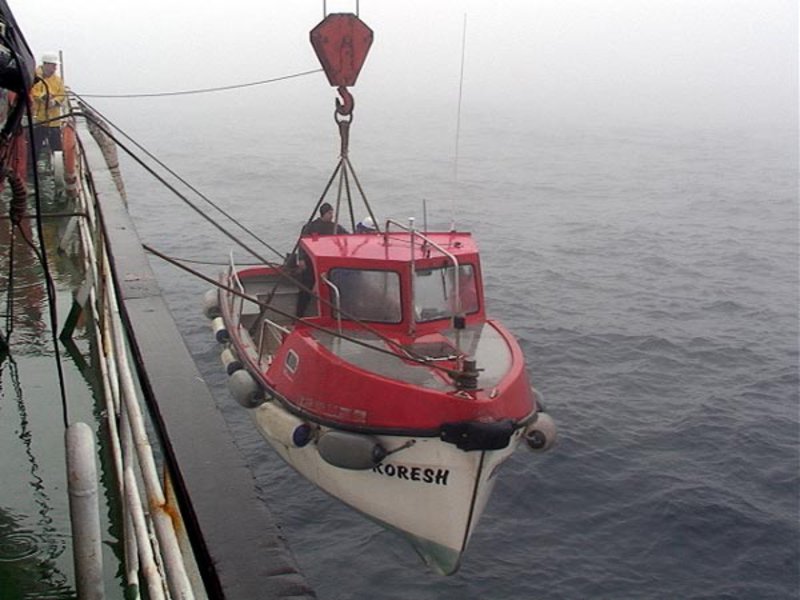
{"points": [[49, 97]]}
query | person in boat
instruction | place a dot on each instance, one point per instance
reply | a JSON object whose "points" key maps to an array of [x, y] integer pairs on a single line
{"points": [[48, 97], [322, 225]]}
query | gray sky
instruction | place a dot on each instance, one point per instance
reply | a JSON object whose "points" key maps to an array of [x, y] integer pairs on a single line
{"points": [[711, 62]]}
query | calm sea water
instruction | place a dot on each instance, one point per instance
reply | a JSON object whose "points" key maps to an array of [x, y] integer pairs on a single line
{"points": [[651, 275], [35, 536]]}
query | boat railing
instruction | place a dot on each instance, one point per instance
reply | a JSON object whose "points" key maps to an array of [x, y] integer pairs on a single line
{"points": [[337, 300], [155, 543], [267, 326], [451, 257], [233, 276], [269, 329]]}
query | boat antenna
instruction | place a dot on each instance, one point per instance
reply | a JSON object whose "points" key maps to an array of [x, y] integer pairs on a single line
{"points": [[458, 124]]}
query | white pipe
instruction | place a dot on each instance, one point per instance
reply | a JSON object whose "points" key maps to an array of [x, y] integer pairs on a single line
{"points": [[108, 375], [125, 399], [134, 542], [84, 512], [155, 588], [110, 382], [178, 581]]}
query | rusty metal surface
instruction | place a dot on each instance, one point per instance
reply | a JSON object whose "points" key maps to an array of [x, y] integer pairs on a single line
{"points": [[341, 42]]}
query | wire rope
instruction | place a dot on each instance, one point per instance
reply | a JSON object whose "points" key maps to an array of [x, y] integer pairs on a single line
{"points": [[169, 170], [223, 88], [278, 268], [294, 318]]}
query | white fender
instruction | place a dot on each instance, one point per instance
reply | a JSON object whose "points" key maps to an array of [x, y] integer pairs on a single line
{"points": [[230, 360], [281, 426], [220, 332], [245, 390], [542, 433], [350, 450], [211, 304]]}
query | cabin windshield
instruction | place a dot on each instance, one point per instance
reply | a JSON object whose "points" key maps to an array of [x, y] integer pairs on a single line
{"points": [[434, 292], [368, 295]]}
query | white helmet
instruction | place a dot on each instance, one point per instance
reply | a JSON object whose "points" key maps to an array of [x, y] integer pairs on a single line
{"points": [[366, 223], [50, 57]]}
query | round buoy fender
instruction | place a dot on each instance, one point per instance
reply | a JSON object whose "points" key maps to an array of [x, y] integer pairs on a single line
{"points": [[220, 332], [245, 390], [541, 434], [283, 427], [231, 361], [350, 450], [211, 304]]}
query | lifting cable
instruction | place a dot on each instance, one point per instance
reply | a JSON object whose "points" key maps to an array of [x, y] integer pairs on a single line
{"points": [[223, 88], [160, 163], [411, 357], [278, 268]]}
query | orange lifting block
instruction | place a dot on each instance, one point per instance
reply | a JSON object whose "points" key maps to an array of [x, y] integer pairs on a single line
{"points": [[341, 42]]}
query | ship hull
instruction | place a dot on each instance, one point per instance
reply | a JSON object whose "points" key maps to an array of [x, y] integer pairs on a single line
{"points": [[429, 491]]}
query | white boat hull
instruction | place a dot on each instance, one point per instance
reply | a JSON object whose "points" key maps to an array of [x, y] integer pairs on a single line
{"points": [[432, 492]]}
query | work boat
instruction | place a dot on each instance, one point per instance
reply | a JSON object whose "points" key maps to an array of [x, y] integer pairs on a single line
{"points": [[392, 391]]}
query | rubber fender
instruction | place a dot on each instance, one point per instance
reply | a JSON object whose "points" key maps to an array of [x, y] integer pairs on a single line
{"points": [[245, 390], [281, 426], [542, 434], [230, 360], [473, 435], [211, 304], [220, 332], [350, 450]]}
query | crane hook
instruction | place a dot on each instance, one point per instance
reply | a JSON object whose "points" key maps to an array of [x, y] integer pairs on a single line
{"points": [[345, 106]]}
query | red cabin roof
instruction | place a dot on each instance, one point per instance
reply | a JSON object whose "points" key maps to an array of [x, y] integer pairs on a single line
{"points": [[388, 302], [388, 248]]}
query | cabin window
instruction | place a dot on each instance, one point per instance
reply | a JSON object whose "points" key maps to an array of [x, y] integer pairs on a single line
{"points": [[368, 295], [434, 292]]}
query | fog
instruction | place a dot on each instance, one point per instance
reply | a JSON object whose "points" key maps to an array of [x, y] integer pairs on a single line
{"points": [[576, 62]]}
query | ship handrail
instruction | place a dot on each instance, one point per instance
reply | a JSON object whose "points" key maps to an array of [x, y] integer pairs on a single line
{"points": [[163, 563], [234, 276]]}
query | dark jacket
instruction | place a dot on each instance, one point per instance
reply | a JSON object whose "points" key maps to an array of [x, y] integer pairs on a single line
{"points": [[321, 227]]}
